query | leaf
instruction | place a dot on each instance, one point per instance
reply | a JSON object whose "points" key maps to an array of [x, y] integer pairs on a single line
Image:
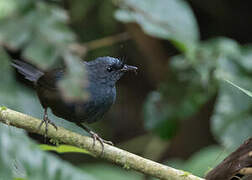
{"points": [[12, 35], [20, 154], [232, 119], [167, 19], [63, 149], [41, 53], [109, 172], [74, 83], [249, 93], [39, 29], [7, 8]]}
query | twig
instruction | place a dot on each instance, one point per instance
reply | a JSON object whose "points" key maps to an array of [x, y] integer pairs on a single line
{"points": [[111, 153], [81, 49]]}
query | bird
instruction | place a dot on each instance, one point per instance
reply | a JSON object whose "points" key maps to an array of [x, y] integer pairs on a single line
{"points": [[102, 75]]}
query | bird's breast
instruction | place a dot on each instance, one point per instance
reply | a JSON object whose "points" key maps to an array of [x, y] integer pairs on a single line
{"points": [[100, 101]]}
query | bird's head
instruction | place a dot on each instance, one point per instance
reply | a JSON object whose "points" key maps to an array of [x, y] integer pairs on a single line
{"points": [[108, 69]]}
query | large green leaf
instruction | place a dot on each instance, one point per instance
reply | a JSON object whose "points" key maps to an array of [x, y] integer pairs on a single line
{"points": [[20, 157], [232, 119], [167, 19], [109, 172]]}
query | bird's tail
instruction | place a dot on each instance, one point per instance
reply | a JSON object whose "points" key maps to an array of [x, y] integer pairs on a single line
{"points": [[31, 73]]}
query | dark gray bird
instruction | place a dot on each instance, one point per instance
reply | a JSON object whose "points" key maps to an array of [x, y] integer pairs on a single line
{"points": [[103, 73]]}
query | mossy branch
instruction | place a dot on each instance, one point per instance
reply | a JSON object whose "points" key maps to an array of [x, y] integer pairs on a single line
{"points": [[111, 153]]}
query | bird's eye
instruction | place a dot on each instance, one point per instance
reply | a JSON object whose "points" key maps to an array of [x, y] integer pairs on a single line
{"points": [[118, 66], [109, 69], [115, 67]]}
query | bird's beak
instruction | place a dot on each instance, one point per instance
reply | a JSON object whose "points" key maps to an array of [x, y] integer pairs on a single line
{"points": [[129, 68]]}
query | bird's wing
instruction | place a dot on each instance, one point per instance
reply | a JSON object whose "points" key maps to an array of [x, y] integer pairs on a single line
{"points": [[30, 72], [49, 79]]}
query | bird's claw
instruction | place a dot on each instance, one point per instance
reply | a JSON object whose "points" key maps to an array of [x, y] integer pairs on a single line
{"points": [[102, 141], [47, 121]]}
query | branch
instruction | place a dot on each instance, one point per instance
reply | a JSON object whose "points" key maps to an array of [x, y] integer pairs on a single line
{"points": [[81, 49], [238, 162], [111, 153]]}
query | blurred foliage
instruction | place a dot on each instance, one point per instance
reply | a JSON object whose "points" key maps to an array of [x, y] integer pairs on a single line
{"points": [[108, 172], [201, 162], [41, 31], [163, 19], [22, 158], [44, 34], [195, 76], [159, 116], [75, 72]]}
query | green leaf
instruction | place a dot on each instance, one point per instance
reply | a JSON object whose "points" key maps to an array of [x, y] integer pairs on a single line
{"points": [[75, 81], [109, 172], [39, 29], [21, 158], [232, 119], [167, 19], [7, 8], [63, 149], [41, 52], [249, 93]]}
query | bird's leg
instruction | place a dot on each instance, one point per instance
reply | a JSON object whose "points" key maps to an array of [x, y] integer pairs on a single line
{"points": [[47, 121], [95, 137]]}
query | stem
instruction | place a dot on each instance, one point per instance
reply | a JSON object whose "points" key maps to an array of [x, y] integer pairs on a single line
{"points": [[81, 49], [111, 153]]}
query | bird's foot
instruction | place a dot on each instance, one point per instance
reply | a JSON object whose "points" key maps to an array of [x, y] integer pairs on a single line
{"points": [[102, 141], [47, 121]]}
